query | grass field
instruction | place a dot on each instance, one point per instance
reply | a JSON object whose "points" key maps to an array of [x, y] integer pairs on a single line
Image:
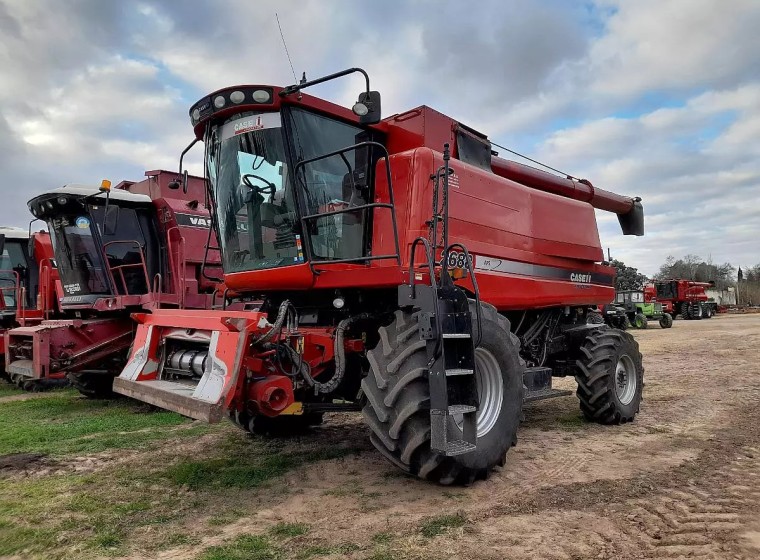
{"points": [[92, 478]]}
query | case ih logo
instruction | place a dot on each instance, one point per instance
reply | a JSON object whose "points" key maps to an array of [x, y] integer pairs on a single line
{"points": [[580, 278], [249, 125]]}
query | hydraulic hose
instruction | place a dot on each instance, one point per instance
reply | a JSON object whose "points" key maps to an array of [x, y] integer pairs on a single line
{"points": [[285, 311], [340, 358]]}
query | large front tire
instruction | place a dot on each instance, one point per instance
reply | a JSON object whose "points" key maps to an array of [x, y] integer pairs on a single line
{"points": [[397, 407], [610, 377]]}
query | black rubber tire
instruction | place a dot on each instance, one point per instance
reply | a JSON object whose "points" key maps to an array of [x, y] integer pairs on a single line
{"points": [[685, 311], [594, 318], [696, 312], [279, 426], [596, 367], [640, 321], [397, 407], [666, 321], [93, 384], [707, 312]]}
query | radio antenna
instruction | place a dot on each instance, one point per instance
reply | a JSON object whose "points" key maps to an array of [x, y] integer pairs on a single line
{"points": [[284, 44]]}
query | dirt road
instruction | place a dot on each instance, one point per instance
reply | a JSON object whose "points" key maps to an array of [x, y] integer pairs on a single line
{"points": [[683, 481]]}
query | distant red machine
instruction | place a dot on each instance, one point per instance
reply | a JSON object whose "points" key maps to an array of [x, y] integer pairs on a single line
{"points": [[684, 297], [139, 246], [27, 281]]}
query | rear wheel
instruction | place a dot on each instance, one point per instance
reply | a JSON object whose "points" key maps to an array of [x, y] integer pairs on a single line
{"points": [[666, 321], [397, 407], [93, 384], [610, 377], [708, 312]]}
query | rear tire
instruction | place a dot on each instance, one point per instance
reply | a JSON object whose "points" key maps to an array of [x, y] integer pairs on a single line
{"points": [[707, 312], [610, 377], [397, 407], [93, 384], [666, 321]]}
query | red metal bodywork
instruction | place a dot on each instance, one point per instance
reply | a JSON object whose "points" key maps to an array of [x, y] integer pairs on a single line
{"points": [[533, 236], [44, 294], [52, 348], [681, 291]]}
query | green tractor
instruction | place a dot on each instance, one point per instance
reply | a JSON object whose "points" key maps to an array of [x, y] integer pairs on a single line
{"points": [[639, 311]]}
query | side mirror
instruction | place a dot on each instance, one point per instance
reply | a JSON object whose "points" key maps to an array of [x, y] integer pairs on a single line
{"points": [[367, 108]]}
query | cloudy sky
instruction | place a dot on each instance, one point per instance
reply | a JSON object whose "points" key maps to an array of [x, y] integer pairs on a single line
{"points": [[654, 98]]}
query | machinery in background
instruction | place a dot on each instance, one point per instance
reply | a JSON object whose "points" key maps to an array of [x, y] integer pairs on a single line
{"points": [[140, 246], [27, 282], [686, 298]]}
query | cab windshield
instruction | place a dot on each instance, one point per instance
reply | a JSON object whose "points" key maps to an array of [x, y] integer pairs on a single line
{"points": [[13, 266], [122, 234], [253, 184]]}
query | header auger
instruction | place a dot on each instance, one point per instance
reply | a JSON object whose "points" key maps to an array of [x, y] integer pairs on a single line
{"points": [[402, 269]]}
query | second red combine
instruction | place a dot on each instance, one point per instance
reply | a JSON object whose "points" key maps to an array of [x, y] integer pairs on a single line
{"points": [[138, 246], [405, 270]]}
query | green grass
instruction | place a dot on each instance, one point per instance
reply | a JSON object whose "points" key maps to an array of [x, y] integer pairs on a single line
{"points": [[571, 421], [236, 471], [289, 529], [64, 423], [438, 525], [383, 537], [6, 389], [247, 547]]}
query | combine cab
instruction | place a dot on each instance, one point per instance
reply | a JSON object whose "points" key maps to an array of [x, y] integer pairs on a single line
{"points": [[27, 281], [137, 247], [405, 271]]}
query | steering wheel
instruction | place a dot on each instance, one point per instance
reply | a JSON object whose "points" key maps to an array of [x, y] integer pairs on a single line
{"points": [[269, 187]]}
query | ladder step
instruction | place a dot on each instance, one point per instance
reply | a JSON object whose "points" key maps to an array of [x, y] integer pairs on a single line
{"points": [[458, 447], [461, 409], [456, 335], [459, 371]]}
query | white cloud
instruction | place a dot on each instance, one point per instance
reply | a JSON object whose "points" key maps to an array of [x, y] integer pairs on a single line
{"points": [[101, 89]]}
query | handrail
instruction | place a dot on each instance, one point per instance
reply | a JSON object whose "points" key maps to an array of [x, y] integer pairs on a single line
{"points": [[157, 289], [390, 205], [178, 265], [142, 264], [45, 280], [16, 289]]}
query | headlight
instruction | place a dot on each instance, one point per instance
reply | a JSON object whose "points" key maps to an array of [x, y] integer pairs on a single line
{"points": [[260, 96]]}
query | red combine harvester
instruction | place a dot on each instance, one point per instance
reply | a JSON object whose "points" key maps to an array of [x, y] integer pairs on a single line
{"points": [[685, 297], [27, 281], [139, 246], [404, 269]]}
